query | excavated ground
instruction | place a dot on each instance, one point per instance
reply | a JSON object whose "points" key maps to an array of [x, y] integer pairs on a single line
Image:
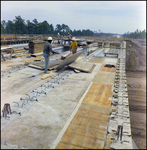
{"points": [[136, 80]]}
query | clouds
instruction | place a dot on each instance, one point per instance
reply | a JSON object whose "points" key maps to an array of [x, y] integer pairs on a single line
{"points": [[108, 16]]}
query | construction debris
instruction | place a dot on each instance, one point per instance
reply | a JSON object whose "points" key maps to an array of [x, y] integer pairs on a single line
{"points": [[109, 65]]}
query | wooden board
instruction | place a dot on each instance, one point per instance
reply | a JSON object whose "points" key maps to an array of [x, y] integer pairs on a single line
{"points": [[104, 77], [82, 66], [68, 60], [37, 67], [46, 76]]}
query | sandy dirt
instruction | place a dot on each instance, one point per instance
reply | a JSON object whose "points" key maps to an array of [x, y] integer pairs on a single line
{"points": [[136, 81]]}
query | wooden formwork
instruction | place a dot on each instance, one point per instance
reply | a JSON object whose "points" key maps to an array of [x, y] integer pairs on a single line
{"points": [[88, 129]]}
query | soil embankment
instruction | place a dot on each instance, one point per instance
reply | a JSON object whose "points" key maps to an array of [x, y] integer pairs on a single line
{"points": [[136, 80]]}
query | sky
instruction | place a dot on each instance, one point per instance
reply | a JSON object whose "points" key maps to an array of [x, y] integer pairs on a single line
{"points": [[101, 16]]}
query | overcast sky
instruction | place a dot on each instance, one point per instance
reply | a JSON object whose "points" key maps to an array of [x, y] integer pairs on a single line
{"points": [[107, 16]]}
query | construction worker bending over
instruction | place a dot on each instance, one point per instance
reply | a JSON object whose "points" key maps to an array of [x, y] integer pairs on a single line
{"points": [[46, 52], [73, 48]]}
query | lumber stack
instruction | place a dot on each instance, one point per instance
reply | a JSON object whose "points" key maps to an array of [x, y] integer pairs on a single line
{"points": [[36, 46]]}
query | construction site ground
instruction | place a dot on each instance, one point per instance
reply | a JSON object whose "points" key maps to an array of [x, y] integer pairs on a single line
{"points": [[136, 80], [65, 117]]}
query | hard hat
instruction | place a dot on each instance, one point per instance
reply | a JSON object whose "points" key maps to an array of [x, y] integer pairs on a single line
{"points": [[49, 38], [73, 38], [68, 33], [58, 32]]}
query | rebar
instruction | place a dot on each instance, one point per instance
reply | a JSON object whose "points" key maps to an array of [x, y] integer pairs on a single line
{"points": [[6, 110]]}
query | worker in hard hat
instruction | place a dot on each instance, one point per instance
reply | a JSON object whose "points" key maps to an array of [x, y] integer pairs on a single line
{"points": [[46, 52], [58, 36], [73, 48], [69, 38]]}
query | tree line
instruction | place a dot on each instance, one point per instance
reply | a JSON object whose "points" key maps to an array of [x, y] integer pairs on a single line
{"points": [[136, 35], [19, 26]]}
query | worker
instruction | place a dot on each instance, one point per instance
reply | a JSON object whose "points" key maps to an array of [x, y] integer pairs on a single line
{"points": [[46, 52], [58, 35], [69, 38], [73, 48]]}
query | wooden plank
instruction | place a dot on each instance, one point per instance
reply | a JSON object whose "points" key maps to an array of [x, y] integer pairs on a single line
{"points": [[34, 66], [46, 76], [92, 68], [82, 66], [104, 77], [68, 60]]}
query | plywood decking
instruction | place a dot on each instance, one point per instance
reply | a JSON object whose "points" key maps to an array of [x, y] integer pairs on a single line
{"points": [[98, 95], [104, 77], [88, 128]]}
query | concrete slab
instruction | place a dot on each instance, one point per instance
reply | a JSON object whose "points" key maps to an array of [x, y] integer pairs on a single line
{"points": [[97, 60], [30, 71], [16, 85], [41, 124], [112, 61], [6, 97], [40, 129], [72, 93]]}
